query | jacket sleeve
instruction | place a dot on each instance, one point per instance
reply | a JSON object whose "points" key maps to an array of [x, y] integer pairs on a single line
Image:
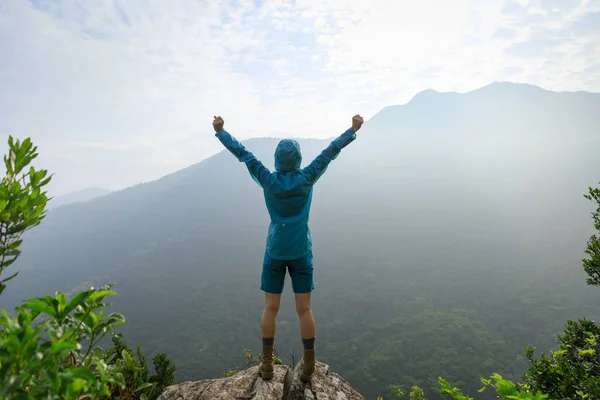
{"points": [[257, 170], [319, 165]]}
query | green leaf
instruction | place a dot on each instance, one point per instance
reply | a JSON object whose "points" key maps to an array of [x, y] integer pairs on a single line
{"points": [[90, 320], [35, 193], [45, 181], [7, 263], [60, 346], [14, 244], [60, 307], [36, 304], [82, 373], [62, 299], [26, 144], [11, 277], [2, 204], [144, 386], [100, 294], [9, 171], [79, 299], [39, 210], [17, 228], [75, 388], [587, 352], [53, 378], [23, 202], [10, 253]]}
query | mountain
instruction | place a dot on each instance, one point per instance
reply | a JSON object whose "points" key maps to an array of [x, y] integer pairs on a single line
{"points": [[77, 197], [447, 236]]}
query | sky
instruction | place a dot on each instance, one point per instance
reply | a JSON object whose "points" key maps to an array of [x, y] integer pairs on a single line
{"points": [[117, 92]]}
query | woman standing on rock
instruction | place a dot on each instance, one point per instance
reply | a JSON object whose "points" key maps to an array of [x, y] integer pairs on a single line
{"points": [[288, 196]]}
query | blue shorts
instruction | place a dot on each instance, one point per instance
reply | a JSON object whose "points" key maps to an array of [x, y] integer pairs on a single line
{"points": [[301, 272]]}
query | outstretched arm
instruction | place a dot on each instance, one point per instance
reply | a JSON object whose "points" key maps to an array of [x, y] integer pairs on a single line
{"points": [[319, 165], [257, 170]]}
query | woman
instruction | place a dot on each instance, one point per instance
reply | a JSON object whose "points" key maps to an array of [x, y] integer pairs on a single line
{"points": [[288, 196]]}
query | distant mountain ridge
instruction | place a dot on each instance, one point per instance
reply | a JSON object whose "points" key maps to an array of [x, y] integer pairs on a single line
{"points": [[77, 197], [440, 228]]}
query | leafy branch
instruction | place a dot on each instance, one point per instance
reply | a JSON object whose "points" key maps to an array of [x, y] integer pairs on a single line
{"points": [[22, 201], [592, 264]]}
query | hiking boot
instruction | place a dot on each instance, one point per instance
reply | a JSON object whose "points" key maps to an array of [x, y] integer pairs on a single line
{"points": [[308, 365], [266, 367]]}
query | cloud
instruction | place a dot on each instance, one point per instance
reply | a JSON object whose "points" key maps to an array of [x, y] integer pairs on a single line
{"points": [[538, 47], [505, 33], [589, 24], [129, 87]]}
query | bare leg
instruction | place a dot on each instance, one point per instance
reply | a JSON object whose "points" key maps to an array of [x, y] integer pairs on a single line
{"points": [[304, 310], [268, 322], [307, 332]]}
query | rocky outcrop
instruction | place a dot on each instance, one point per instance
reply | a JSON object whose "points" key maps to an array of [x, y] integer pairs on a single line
{"points": [[247, 385]]}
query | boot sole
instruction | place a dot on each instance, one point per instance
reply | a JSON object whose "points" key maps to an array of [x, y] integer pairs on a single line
{"points": [[266, 376]]}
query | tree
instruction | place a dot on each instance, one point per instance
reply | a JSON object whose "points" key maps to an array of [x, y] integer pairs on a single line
{"points": [[164, 374], [592, 265], [139, 384], [573, 372], [22, 201]]}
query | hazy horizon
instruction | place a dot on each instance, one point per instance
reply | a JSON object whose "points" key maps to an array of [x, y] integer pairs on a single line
{"points": [[83, 189]]}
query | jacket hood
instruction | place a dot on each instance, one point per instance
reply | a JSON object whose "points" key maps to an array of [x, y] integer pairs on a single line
{"points": [[288, 156]]}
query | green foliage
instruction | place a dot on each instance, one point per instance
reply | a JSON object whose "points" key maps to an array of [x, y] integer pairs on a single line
{"points": [[135, 372], [50, 349], [49, 346], [417, 393], [453, 392], [249, 361], [505, 389], [139, 384], [592, 265], [22, 201], [42, 353], [573, 372], [164, 375], [397, 391], [508, 390]]}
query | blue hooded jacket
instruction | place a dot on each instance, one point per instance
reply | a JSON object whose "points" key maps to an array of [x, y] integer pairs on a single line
{"points": [[287, 191]]}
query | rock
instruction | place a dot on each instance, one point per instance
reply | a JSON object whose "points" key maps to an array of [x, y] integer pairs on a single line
{"points": [[324, 385], [244, 385], [248, 385]]}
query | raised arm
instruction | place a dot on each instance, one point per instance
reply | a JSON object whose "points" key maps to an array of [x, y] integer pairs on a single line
{"points": [[319, 165], [257, 170]]}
